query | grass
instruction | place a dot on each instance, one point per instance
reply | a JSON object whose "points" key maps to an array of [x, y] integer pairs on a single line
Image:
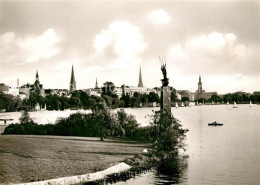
{"points": [[27, 158]]}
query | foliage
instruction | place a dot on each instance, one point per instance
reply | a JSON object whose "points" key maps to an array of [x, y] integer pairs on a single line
{"points": [[173, 97], [127, 124], [25, 118], [108, 89], [106, 123], [169, 137], [9, 102], [183, 99]]}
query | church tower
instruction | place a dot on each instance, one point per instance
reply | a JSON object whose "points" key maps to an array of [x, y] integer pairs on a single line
{"points": [[96, 86], [200, 85], [140, 83], [37, 81], [72, 81]]}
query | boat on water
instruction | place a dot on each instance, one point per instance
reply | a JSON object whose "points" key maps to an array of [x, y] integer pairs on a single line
{"points": [[235, 105], [250, 104], [176, 105], [215, 124], [228, 103], [182, 104]]}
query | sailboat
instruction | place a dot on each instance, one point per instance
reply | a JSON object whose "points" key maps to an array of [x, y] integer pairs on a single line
{"points": [[250, 104], [182, 105], [176, 105], [235, 105], [228, 103]]}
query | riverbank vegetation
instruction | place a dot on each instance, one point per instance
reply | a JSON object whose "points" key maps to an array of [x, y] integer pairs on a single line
{"points": [[165, 133], [81, 100], [100, 123]]}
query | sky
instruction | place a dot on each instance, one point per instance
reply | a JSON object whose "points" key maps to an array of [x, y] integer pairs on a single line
{"points": [[110, 40]]}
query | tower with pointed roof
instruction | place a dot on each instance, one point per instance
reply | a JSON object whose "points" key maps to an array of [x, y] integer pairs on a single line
{"points": [[72, 81], [37, 81], [140, 83], [96, 86], [199, 85], [37, 87]]}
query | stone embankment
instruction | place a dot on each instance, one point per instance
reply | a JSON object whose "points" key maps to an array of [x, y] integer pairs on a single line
{"points": [[121, 167]]}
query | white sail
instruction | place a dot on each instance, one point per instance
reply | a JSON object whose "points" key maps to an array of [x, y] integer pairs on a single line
{"points": [[176, 105], [235, 105], [250, 105], [182, 104]]}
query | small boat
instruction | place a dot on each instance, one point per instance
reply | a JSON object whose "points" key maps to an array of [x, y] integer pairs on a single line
{"points": [[235, 105], [228, 103], [250, 104], [182, 105], [176, 105], [215, 124]]}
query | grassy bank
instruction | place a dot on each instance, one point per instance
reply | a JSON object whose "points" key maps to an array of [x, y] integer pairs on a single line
{"points": [[32, 158]]}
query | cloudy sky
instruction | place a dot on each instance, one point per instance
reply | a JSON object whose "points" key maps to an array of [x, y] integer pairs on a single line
{"points": [[110, 40]]}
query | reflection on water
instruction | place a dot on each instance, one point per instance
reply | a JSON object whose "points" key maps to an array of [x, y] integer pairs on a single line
{"points": [[217, 155]]}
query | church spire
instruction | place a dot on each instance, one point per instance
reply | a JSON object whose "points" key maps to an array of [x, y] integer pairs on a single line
{"points": [[200, 85], [72, 81], [140, 83], [96, 86], [37, 78]]}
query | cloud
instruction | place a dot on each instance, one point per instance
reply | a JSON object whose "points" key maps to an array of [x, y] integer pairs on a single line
{"points": [[30, 48], [214, 53], [158, 17], [124, 39]]}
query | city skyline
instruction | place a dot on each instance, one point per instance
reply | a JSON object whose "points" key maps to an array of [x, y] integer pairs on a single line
{"points": [[219, 40]]}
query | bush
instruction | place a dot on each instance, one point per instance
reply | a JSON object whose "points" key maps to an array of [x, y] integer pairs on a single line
{"points": [[168, 137]]}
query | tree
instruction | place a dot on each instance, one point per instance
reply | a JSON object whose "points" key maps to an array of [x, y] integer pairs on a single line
{"points": [[169, 138], [126, 99], [214, 98], [185, 99], [108, 88], [153, 97], [104, 120], [25, 118], [173, 97], [127, 123]]}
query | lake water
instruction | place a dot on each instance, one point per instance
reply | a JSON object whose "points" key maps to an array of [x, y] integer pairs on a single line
{"points": [[226, 155]]}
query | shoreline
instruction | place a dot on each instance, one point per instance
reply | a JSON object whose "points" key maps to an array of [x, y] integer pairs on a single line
{"points": [[31, 158], [77, 179]]}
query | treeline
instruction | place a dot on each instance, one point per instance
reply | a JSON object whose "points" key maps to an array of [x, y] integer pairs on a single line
{"points": [[76, 100], [100, 123], [231, 97]]}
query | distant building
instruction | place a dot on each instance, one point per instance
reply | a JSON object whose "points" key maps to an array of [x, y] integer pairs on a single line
{"points": [[119, 91], [202, 94], [59, 92], [140, 82], [9, 90], [96, 85], [29, 88], [4, 88], [186, 93], [72, 81], [141, 90], [37, 86], [93, 92]]}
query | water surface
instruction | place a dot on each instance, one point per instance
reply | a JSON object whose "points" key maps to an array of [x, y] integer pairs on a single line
{"points": [[224, 155]]}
